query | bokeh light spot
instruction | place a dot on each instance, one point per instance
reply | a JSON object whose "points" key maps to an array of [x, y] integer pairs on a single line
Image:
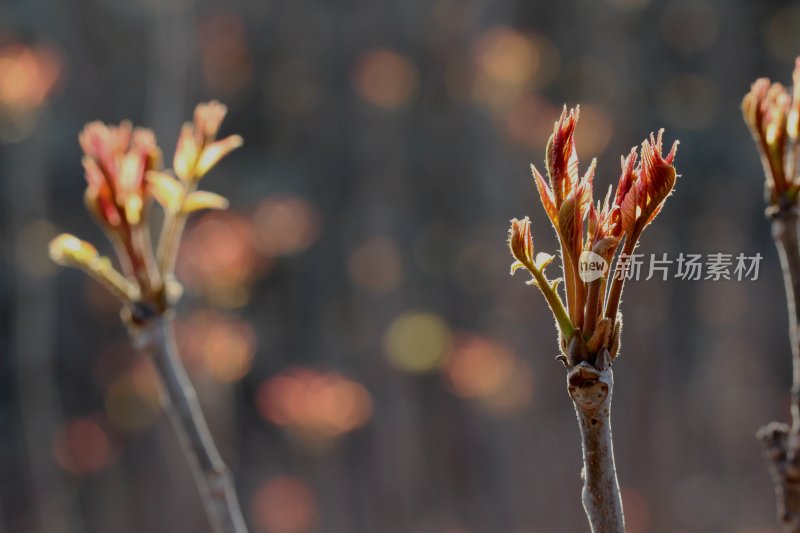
{"points": [[595, 131], [82, 446], [530, 122], [489, 372], [376, 266], [218, 259], [478, 368], [284, 504], [416, 342], [508, 64], [218, 347], [27, 78], [315, 405], [385, 78], [284, 225], [229, 351], [507, 57]]}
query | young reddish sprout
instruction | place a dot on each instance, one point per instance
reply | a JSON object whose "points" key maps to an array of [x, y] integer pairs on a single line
{"points": [[589, 323], [591, 308], [122, 166], [521, 244], [773, 116]]}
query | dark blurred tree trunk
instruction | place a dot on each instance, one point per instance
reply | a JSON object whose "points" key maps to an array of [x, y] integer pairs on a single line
{"points": [[27, 203]]}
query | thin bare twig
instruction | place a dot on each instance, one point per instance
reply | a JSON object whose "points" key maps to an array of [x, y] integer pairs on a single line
{"points": [[155, 338]]}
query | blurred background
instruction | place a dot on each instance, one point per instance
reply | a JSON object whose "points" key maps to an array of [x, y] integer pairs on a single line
{"points": [[365, 360]]}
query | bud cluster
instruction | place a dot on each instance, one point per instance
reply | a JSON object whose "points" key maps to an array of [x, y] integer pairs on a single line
{"points": [[122, 166], [588, 322], [773, 116]]}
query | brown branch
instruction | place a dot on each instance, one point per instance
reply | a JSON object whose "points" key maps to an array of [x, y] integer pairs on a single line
{"points": [[784, 231], [590, 388], [781, 442], [780, 449], [155, 338]]}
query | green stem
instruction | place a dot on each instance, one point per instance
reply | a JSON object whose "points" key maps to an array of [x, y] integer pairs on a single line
{"points": [[171, 232], [555, 303]]}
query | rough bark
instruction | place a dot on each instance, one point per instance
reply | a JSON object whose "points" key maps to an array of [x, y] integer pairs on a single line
{"points": [[782, 442], [781, 449], [155, 338], [590, 388]]}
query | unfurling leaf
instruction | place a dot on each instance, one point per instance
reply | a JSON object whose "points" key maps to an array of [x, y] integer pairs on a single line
{"points": [[186, 154], [542, 260], [658, 176], [516, 265], [68, 250], [561, 156], [586, 189], [214, 152], [520, 242], [568, 225], [768, 111], [629, 211], [204, 200], [166, 190], [546, 196], [208, 117]]}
